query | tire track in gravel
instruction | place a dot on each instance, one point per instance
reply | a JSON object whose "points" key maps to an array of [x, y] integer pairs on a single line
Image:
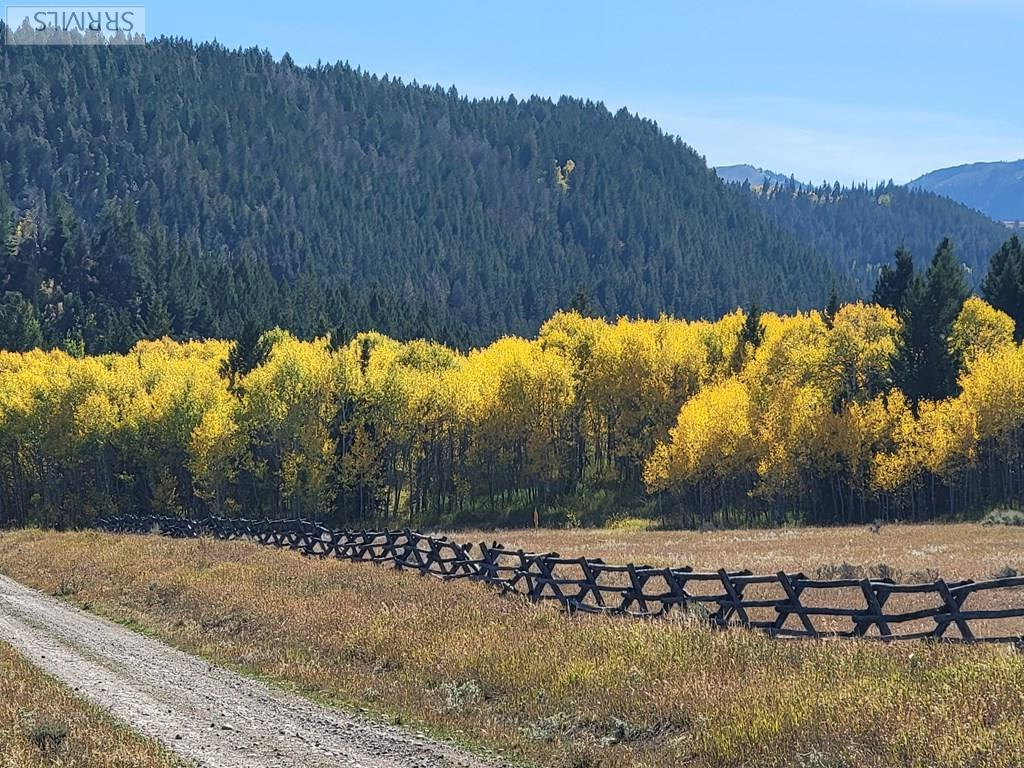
{"points": [[207, 715]]}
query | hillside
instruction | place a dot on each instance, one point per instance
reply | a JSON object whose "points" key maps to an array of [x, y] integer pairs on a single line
{"points": [[995, 189], [857, 229], [187, 189]]}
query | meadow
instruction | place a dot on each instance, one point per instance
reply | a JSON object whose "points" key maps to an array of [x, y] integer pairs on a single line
{"points": [[547, 690], [43, 724], [910, 552]]}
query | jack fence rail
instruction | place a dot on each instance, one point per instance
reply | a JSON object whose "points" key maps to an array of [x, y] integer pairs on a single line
{"points": [[781, 604]]}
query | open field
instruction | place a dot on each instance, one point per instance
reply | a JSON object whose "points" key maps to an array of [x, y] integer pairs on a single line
{"points": [[913, 552], [903, 553], [42, 723], [557, 692]]}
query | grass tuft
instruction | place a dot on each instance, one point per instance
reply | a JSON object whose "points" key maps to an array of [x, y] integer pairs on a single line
{"points": [[48, 736]]}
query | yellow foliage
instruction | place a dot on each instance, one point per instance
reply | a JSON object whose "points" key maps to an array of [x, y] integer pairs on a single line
{"points": [[711, 439], [979, 329], [673, 404]]}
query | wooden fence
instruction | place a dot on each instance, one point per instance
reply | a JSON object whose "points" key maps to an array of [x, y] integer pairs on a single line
{"points": [[781, 604]]}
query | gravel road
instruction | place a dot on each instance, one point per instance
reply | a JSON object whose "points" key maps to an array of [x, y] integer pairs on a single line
{"points": [[207, 715]]}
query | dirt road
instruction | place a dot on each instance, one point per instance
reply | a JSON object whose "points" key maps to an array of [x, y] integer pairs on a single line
{"points": [[207, 715]]}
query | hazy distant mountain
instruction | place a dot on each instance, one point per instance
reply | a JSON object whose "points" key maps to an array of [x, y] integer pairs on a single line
{"points": [[737, 174], [858, 228], [995, 189]]}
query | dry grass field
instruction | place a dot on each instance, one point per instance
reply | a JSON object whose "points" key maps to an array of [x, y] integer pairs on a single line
{"points": [[905, 553], [43, 724], [913, 552], [455, 659]]}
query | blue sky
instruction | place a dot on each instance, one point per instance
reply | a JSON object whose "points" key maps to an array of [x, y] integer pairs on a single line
{"points": [[855, 91]]}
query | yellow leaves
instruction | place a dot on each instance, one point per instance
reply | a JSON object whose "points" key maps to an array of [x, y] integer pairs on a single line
{"points": [[793, 350], [671, 399], [711, 439], [942, 440], [519, 395], [211, 447], [562, 174], [860, 348], [291, 387], [951, 437], [979, 329], [993, 389], [96, 416]]}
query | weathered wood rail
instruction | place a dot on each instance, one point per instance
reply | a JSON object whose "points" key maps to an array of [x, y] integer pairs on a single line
{"points": [[777, 604]]}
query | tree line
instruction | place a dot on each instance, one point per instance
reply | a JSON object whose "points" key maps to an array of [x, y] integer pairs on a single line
{"points": [[909, 407]]}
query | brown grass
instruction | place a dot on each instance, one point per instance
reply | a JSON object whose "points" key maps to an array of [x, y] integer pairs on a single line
{"points": [[956, 551], [906, 553], [42, 723], [453, 657]]}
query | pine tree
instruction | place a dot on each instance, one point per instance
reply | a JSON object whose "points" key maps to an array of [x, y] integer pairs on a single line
{"points": [[832, 307], [246, 354], [750, 337], [926, 368], [1003, 286], [753, 327], [894, 282], [159, 322], [19, 324], [582, 303]]}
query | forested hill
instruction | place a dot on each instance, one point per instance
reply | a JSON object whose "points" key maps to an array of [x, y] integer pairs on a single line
{"points": [[996, 189], [187, 189], [858, 228]]}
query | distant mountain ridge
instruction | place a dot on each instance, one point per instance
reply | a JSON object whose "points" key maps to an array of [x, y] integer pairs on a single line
{"points": [[996, 189], [858, 228], [738, 174]]}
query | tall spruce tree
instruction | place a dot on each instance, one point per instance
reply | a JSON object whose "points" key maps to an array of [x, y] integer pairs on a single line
{"points": [[894, 282], [751, 335], [246, 354], [832, 308], [1003, 286], [925, 367]]}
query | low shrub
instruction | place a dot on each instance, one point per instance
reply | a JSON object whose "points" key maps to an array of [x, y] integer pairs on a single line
{"points": [[1004, 517], [47, 735]]}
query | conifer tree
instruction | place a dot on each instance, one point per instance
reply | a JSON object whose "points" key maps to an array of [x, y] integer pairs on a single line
{"points": [[894, 282], [832, 307], [19, 324], [246, 354], [1003, 286], [159, 322], [750, 337], [926, 368], [753, 327]]}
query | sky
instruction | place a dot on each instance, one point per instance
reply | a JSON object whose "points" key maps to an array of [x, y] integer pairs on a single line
{"points": [[847, 90]]}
